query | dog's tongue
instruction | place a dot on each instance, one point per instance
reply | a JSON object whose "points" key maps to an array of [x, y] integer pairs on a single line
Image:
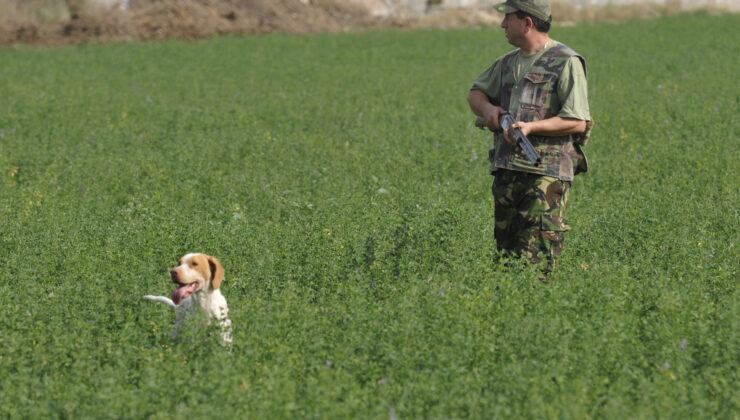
{"points": [[183, 291]]}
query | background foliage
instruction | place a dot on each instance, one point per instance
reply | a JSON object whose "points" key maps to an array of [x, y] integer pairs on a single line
{"points": [[341, 182]]}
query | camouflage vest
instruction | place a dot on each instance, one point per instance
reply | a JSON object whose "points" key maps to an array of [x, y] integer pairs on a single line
{"points": [[534, 98]]}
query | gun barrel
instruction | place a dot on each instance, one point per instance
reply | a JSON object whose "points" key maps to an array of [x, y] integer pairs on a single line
{"points": [[532, 156], [531, 152]]}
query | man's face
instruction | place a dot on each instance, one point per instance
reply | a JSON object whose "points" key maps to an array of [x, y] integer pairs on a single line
{"points": [[515, 28]]}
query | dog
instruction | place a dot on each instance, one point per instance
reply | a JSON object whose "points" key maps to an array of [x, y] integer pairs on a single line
{"points": [[199, 278]]}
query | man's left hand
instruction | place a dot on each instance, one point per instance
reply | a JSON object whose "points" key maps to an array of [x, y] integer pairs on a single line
{"points": [[523, 126]]}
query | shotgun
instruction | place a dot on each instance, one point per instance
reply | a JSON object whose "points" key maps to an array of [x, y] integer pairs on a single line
{"points": [[506, 122]]}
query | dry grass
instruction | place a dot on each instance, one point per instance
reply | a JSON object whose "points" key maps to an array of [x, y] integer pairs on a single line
{"points": [[60, 22], [570, 14]]}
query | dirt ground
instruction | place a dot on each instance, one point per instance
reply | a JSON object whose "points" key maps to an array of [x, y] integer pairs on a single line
{"points": [[70, 22], [182, 19]]}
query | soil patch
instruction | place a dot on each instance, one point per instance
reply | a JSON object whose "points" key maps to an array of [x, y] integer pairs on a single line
{"points": [[183, 19]]}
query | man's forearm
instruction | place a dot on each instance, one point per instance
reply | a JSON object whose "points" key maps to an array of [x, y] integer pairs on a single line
{"points": [[479, 103], [555, 126]]}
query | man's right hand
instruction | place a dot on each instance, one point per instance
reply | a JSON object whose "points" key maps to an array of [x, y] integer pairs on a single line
{"points": [[481, 106], [493, 121], [493, 118]]}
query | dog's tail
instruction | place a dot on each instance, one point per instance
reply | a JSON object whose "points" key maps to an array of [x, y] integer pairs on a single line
{"points": [[163, 299]]}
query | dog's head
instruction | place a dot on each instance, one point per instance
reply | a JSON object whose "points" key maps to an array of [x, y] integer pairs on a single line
{"points": [[196, 272]]}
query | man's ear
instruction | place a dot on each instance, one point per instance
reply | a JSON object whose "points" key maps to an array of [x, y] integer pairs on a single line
{"points": [[528, 23], [217, 272]]}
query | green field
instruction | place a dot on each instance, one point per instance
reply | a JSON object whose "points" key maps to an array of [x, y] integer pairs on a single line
{"points": [[340, 181]]}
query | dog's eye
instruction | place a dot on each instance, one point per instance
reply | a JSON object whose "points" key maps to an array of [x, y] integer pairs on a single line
{"points": [[194, 264]]}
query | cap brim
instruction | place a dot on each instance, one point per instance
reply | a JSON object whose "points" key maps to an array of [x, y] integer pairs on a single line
{"points": [[504, 8]]}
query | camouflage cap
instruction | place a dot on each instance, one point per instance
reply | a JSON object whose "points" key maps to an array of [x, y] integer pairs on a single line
{"points": [[537, 8]]}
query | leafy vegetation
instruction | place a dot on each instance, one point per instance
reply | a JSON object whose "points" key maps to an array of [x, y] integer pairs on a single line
{"points": [[341, 182]]}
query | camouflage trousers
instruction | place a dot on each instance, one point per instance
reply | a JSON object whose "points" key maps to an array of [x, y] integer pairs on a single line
{"points": [[530, 216]]}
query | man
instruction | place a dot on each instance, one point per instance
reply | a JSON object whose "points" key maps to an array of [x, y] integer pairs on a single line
{"points": [[542, 85]]}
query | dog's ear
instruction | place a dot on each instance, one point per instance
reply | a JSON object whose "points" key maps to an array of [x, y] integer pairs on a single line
{"points": [[217, 272]]}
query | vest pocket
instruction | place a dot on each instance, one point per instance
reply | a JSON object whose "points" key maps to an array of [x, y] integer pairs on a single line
{"points": [[535, 90]]}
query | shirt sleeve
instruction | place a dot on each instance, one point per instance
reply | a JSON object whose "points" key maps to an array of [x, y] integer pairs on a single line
{"points": [[489, 82], [573, 91]]}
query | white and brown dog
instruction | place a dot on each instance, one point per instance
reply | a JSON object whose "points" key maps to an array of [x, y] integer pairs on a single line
{"points": [[199, 278]]}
